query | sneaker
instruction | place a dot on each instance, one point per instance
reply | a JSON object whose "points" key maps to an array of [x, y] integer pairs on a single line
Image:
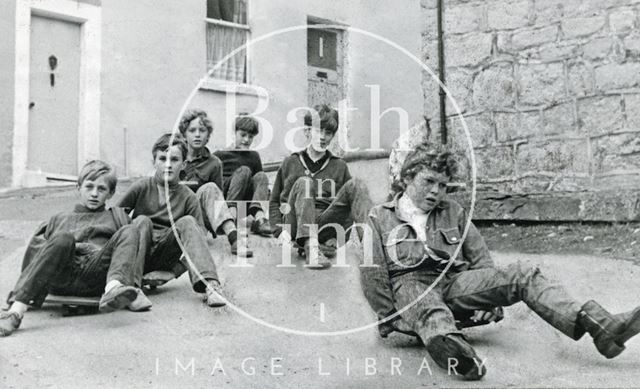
{"points": [[454, 346], [242, 251], [118, 297], [156, 278], [261, 227], [141, 302], [213, 295], [9, 322], [321, 262]]}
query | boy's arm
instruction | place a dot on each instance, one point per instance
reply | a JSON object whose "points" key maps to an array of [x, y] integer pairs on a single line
{"points": [[275, 217], [474, 248], [258, 162], [130, 198]]}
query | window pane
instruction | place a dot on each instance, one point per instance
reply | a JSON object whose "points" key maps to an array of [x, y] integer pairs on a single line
{"points": [[228, 10], [222, 40]]}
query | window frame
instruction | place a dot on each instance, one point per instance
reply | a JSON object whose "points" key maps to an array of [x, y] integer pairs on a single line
{"points": [[219, 84]]}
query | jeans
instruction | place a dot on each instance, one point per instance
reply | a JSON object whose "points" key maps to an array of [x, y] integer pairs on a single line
{"points": [[214, 207], [63, 267], [351, 204], [164, 253], [482, 289], [243, 186]]}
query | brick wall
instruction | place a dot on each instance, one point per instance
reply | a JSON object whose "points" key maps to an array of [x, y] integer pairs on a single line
{"points": [[550, 90]]}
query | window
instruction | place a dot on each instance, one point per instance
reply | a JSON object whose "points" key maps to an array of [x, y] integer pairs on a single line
{"points": [[227, 29]]}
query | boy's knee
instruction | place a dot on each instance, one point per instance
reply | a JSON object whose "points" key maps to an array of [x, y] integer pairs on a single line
{"points": [[63, 239], [186, 222], [261, 177], [210, 189], [130, 231], [143, 222], [357, 183], [523, 272], [243, 172]]}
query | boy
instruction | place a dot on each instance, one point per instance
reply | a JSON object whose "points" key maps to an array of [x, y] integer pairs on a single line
{"points": [[203, 175], [414, 239], [85, 252], [244, 179], [147, 198], [306, 186]]}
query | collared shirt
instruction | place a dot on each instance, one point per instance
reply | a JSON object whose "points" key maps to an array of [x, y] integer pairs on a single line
{"points": [[312, 165], [416, 216], [202, 169], [396, 251]]}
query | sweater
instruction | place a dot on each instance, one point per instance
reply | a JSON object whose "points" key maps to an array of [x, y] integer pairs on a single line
{"points": [[335, 170], [233, 159]]}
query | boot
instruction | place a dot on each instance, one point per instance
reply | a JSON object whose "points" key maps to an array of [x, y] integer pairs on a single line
{"points": [[609, 332], [454, 346]]}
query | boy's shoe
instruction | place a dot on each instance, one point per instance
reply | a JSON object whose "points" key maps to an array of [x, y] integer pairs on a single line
{"points": [[213, 295], [322, 261], [609, 332], [9, 322], [157, 278], [329, 248], [141, 302], [118, 297], [242, 251], [454, 346], [261, 227]]}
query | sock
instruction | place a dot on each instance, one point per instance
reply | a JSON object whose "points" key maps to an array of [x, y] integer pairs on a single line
{"points": [[232, 236], [112, 284], [19, 308]]}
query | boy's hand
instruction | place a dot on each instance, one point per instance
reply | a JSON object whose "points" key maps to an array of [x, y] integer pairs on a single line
{"points": [[493, 315]]}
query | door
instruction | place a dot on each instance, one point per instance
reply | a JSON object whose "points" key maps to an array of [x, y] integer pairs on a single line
{"points": [[54, 86]]}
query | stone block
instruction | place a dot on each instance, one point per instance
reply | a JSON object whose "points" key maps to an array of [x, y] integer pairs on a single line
{"points": [[494, 87], [622, 21], [460, 85], [632, 45], [598, 48], [506, 15], [632, 111], [494, 162], [481, 130], [517, 125], [430, 54], [462, 18], [560, 120], [615, 153], [541, 84], [467, 50], [431, 96], [555, 156], [558, 51], [600, 115], [577, 27], [620, 181], [580, 79], [553, 10], [429, 26], [429, 4], [614, 76], [533, 37]]}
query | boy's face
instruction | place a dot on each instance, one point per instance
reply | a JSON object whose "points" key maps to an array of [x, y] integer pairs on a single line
{"points": [[196, 134], [169, 163], [244, 139], [319, 139], [94, 193], [427, 188]]}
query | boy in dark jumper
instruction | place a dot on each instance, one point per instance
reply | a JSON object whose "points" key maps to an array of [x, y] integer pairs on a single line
{"points": [[148, 199], [315, 187], [203, 175], [243, 177], [86, 252]]}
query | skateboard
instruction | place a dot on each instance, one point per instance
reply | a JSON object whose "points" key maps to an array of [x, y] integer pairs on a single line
{"points": [[74, 305]]}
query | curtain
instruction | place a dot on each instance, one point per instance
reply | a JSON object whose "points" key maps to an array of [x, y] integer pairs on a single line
{"points": [[222, 40]]}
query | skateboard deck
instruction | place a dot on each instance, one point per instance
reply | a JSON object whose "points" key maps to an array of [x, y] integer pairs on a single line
{"points": [[74, 305]]}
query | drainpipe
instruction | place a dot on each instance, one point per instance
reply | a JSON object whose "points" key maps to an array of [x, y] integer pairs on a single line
{"points": [[441, 75]]}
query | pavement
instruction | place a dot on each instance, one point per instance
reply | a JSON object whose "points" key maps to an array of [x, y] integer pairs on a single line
{"points": [[262, 339]]}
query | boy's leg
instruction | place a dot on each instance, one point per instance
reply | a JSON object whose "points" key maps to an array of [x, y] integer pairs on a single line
{"points": [[259, 196], [239, 185], [303, 209], [484, 289]]}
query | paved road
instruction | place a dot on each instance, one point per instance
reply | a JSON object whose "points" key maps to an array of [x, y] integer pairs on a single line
{"points": [[183, 343]]}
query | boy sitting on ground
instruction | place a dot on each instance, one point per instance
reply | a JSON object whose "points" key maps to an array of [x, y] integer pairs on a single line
{"points": [[306, 186], [153, 211], [203, 175], [244, 180], [86, 252]]}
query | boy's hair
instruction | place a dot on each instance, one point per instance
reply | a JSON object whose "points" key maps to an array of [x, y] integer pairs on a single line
{"points": [[247, 123], [328, 118], [95, 169], [192, 114], [427, 156], [162, 144]]}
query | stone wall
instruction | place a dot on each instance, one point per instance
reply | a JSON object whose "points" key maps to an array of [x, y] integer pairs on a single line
{"points": [[549, 89]]}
